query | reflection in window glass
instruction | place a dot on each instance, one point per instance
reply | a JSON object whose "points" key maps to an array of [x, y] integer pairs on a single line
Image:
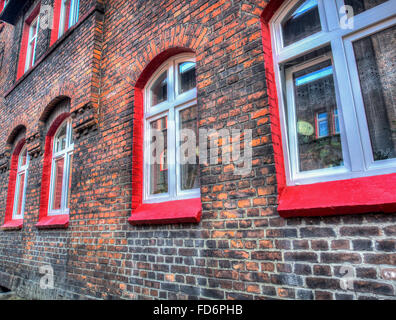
{"points": [[186, 76], [375, 56], [322, 125], [159, 91], [303, 22], [363, 5], [158, 154], [314, 96], [58, 183], [189, 162], [21, 188]]}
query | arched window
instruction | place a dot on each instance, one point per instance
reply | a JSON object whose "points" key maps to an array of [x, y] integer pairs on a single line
{"points": [[335, 90], [171, 132], [62, 159], [21, 182], [17, 184]]}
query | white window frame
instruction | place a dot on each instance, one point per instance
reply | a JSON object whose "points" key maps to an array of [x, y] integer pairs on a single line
{"points": [[66, 154], [171, 108], [22, 169], [357, 151], [73, 15], [33, 36]]}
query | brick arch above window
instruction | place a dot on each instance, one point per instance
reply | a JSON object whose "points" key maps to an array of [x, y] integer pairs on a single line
{"points": [[156, 213]]}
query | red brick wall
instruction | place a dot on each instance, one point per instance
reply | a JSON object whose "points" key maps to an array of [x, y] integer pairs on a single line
{"points": [[241, 248]]}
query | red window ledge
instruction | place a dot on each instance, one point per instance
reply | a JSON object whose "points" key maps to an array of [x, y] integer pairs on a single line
{"points": [[353, 196], [50, 222], [13, 225], [179, 211]]}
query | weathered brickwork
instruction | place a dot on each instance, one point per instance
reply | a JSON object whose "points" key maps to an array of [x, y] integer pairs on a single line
{"points": [[241, 249]]}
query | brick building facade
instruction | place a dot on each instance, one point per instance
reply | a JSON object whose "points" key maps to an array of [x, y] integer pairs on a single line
{"points": [[238, 246]]}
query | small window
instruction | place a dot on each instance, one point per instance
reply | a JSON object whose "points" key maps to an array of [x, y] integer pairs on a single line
{"points": [[20, 187], [68, 15], [32, 43], [335, 90], [171, 119], [62, 160]]}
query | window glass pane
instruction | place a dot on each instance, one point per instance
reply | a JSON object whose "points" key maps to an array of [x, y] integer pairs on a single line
{"points": [[322, 125], [315, 100], [186, 76], [21, 185], [60, 143], [303, 22], [363, 5], [58, 183], [158, 156], [375, 57], [189, 153], [70, 179], [159, 90]]}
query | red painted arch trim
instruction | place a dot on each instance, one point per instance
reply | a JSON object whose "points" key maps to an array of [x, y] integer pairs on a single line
{"points": [[9, 223], [353, 196], [44, 219], [141, 212]]}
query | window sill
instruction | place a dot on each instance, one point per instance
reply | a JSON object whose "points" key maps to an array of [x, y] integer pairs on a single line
{"points": [[13, 225], [353, 196], [51, 222], [179, 211]]}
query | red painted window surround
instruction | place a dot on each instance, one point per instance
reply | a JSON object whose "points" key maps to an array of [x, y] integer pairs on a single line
{"points": [[179, 211], [352, 196], [46, 221], [24, 41], [9, 222]]}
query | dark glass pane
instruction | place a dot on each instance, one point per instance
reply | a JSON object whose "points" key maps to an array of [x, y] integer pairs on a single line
{"points": [[159, 90], [303, 22], [363, 5], [158, 156], [21, 181], [58, 184], [186, 76], [319, 145], [189, 158], [375, 58]]}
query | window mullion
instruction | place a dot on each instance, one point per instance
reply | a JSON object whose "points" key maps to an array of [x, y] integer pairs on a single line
{"points": [[172, 162], [348, 119]]}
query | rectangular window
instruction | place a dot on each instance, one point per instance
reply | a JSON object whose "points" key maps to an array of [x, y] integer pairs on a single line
{"points": [[360, 6], [68, 15], [322, 125], [32, 43]]}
